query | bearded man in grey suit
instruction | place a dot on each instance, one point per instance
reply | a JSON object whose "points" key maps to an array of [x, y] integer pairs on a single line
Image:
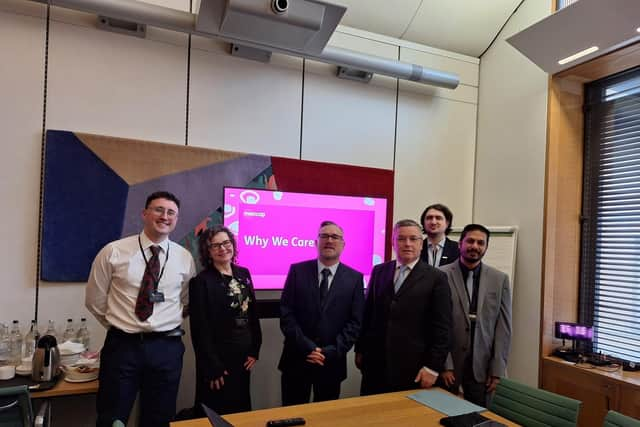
{"points": [[481, 311]]}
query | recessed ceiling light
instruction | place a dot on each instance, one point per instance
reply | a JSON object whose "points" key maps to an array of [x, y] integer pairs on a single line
{"points": [[578, 55], [638, 29]]}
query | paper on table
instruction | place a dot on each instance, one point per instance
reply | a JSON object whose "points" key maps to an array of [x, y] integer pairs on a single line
{"points": [[444, 402]]}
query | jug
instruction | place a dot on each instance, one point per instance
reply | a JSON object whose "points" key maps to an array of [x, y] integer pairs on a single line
{"points": [[46, 359]]}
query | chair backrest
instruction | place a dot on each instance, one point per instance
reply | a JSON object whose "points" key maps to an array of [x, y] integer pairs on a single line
{"points": [[616, 419], [15, 407], [533, 407]]}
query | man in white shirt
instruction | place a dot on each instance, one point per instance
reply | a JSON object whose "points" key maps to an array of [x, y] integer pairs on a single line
{"points": [[138, 290], [407, 319]]}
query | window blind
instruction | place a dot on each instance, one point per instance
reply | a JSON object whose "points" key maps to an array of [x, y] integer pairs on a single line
{"points": [[610, 264]]}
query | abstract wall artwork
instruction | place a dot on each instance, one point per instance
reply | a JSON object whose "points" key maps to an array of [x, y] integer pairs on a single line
{"points": [[95, 189]]}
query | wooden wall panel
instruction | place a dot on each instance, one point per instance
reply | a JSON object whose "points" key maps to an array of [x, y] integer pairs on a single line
{"points": [[562, 207]]}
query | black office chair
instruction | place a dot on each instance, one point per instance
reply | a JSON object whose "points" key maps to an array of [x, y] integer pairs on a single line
{"points": [[16, 410]]}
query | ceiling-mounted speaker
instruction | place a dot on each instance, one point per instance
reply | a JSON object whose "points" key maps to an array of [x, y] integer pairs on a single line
{"points": [[302, 26]]}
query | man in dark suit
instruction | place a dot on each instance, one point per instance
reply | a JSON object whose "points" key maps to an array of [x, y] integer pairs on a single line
{"points": [[405, 329], [481, 298], [438, 249], [321, 314]]}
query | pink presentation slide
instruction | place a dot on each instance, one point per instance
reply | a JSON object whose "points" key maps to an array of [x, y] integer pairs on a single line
{"points": [[275, 229]]}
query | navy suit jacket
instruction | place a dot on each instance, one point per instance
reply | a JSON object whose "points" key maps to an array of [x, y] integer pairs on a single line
{"points": [[306, 323], [450, 253]]}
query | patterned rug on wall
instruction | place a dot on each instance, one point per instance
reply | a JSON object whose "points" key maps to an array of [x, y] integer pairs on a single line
{"points": [[95, 188]]}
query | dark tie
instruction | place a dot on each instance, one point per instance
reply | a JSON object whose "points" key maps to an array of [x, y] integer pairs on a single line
{"points": [[435, 254], [324, 283], [469, 285], [144, 306]]}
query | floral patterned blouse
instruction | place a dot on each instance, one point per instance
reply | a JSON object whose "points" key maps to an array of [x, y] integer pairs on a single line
{"points": [[238, 295]]}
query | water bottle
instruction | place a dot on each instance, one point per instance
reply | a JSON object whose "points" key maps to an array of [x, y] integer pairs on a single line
{"points": [[15, 344], [69, 333], [83, 334], [31, 340], [51, 330], [5, 350]]}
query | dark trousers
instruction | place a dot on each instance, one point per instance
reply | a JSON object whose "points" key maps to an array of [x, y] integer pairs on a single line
{"points": [[234, 396], [297, 385], [130, 363], [474, 391]]}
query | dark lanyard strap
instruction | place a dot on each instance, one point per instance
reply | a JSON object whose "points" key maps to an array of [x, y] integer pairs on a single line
{"points": [[156, 281]]}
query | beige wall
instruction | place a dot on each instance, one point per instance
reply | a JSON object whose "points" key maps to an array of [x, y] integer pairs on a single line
{"points": [[509, 173], [105, 83]]}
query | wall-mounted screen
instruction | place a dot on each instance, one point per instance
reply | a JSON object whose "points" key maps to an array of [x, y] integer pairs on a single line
{"points": [[277, 228]]}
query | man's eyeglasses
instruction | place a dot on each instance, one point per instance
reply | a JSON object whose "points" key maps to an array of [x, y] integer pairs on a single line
{"points": [[158, 210], [226, 244], [411, 239], [325, 236]]}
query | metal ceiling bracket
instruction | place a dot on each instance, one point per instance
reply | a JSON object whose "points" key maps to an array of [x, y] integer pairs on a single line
{"points": [[121, 26], [354, 74], [251, 53]]}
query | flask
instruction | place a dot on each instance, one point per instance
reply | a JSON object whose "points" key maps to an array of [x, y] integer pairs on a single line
{"points": [[31, 340], [15, 344], [4, 345], [69, 333], [83, 336], [51, 330]]}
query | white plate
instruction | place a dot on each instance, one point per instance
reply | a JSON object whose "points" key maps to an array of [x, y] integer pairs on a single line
{"points": [[23, 373], [80, 380]]}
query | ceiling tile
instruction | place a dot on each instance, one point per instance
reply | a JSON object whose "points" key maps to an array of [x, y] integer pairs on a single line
{"points": [[378, 16], [461, 26]]}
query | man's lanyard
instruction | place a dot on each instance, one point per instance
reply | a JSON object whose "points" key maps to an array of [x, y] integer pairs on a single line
{"points": [[156, 281]]}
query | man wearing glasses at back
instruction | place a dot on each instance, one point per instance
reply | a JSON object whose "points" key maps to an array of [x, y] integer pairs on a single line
{"points": [[407, 318], [321, 311], [138, 290]]}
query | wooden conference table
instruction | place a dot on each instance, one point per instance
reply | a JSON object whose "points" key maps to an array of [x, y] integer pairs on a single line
{"points": [[390, 409], [64, 388]]}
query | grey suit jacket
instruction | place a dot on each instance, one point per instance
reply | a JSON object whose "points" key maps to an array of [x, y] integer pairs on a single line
{"points": [[492, 339]]}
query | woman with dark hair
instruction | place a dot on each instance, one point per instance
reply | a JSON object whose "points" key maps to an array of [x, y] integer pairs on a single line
{"points": [[225, 329]]}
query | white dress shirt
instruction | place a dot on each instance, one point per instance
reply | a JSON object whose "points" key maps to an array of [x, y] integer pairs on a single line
{"points": [[333, 270], [114, 284], [410, 266], [440, 249]]}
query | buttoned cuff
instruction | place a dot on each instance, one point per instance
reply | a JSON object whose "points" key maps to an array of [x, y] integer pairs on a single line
{"points": [[431, 371]]}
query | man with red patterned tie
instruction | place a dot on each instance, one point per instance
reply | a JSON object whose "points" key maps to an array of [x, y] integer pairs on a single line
{"points": [[138, 290]]}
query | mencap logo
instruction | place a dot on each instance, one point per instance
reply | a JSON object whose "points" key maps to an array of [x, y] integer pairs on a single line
{"points": [[249, 197]]}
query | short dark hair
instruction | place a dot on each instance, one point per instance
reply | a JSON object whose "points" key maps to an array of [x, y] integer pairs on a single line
{"points": [[475, 227], [445, 211], [203, 244], [162, 195], [328, 223]]}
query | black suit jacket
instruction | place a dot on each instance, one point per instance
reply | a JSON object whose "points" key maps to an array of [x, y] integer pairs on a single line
{"points": [[306, 324], [212, 320], [450, 253], [404, 331]]}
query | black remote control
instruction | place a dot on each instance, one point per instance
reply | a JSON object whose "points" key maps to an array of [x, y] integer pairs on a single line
{"points": [[285, 422]]}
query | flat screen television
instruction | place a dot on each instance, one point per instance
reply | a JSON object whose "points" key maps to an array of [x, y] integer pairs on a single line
{"points": [[277, 228]]}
